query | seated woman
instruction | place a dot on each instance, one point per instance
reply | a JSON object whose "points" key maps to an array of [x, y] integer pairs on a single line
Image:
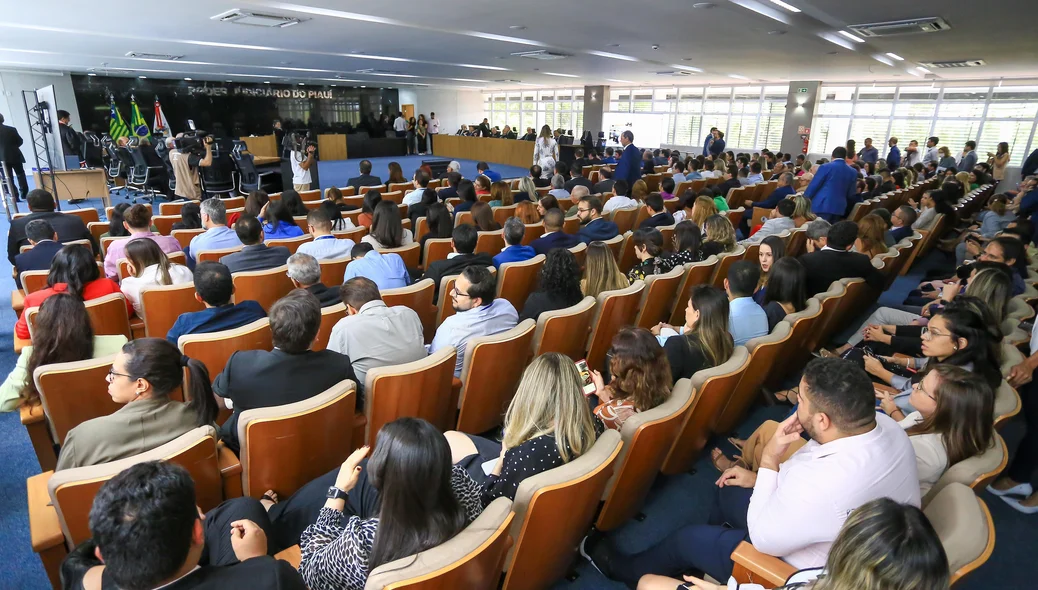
{"points": [[772, 249], [387, 231], [500, 194], [988, 224], [640, 378], [703, 341], [149, 266], [142, 376], [527, 190], [601, 272], [526, 211], [648, 249], [786, 291], [440, 223], [367, 209], [278, 222], [546, 203], [482, 185], [406, 499], [421, 208], [483, 217], [702, 209], [686, 206], [870, 240], [254, 205], [802, 212], [294, 203], [720, 236], [334, 195], [688, 239], [559, 285], [548, 424], [63, 334], [190, 217], [72, 271]]}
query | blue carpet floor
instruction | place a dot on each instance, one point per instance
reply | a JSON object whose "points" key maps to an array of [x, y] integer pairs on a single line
{"points": [[338, 172], [673, 502]]}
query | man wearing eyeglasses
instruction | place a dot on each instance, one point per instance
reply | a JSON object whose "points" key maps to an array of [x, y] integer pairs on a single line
{"points": [[593, 226], [478, 313]]}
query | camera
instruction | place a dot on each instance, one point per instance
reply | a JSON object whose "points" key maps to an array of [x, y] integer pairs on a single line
{"points": [[299, 141], [193, 141]]}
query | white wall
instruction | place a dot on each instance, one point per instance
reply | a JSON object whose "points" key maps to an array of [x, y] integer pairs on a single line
{"points": [[13, 82], [453, 108]]}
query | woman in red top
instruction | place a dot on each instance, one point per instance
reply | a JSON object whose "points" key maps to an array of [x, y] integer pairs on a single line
{"points": [[73, 271]]}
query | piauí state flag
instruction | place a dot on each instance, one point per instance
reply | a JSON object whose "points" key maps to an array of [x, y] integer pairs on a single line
{"points": [[161, 125], [140, 128], [116, 125]]}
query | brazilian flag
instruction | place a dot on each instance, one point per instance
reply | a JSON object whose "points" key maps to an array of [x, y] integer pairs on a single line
{"points": [[116, 125], [140, 128]]}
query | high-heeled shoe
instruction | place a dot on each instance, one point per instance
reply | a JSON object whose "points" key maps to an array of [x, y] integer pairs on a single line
{"points": [[1020, 489]]}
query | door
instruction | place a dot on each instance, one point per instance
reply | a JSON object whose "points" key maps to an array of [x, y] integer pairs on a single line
{"points": [[408, 110]]}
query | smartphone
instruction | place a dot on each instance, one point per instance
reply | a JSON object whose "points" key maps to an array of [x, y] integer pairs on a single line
{"points": [[585, 376]]}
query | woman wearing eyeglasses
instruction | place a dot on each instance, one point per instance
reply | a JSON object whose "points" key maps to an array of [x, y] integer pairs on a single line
{"points": [[142, 376]]}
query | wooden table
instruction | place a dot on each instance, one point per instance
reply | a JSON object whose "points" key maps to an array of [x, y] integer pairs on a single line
{"points": [[75, 184], [265, 160], [511, 152]]}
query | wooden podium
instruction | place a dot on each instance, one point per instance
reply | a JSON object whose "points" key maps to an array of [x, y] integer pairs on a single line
{"points": [[75, 184]]}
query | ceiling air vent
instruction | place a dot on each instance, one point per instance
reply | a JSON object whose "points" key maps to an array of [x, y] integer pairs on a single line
{"points": [[377, 72], [963, 63], [902, 27], [160, 56], [674, 73], [506, 81], [254, 19], [540, 54]]}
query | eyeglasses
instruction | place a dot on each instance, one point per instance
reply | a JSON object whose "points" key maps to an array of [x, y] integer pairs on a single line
{"points": [[579, 210], [112, 374], [457, 293], [919, 386], [929, 333]]}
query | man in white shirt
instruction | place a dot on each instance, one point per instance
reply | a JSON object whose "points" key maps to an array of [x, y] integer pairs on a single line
{"points": [[400, 125], [478, 313], [434, 124], [912, 156], [324, 246], [793, 511], [931, 154], [620, 200], [779, 222], [301, 164], [421, 182], [709, 170], [373, 334]]}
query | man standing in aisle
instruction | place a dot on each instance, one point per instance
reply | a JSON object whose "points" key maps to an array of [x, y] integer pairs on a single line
{"points": [[869, 153], [969, 157], [400, 125], [831, 186], [12, 159], [894, 155], [434, 128], [629, 168], [70, 143], [931, 154]]}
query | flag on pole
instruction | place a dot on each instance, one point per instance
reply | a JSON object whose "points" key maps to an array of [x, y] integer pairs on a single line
{"points": [[161, 126], [116, 125], [140, 128]]}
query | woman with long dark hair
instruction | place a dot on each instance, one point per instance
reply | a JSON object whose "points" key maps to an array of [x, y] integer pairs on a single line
{"points": [[367, 209], [294, 203], [387, 231], [396, 173], [116, 229], [483, 217], [150, 266], [639, 371], [278, 222], [440, 222], [190, 217], [547, 203], [143, 375], [559, 285], [786, 292], [772, 249], [687, 241], [703, 341], [255, 203]]}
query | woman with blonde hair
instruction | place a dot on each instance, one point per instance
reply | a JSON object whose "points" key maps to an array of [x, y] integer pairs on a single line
{"points": [[703, 208], [703, 341], [640, 377], [720, 236], [500, 194], [548, 424], [601, 272], [527, 190], [870, 242], [802, 212], [909, 174], [964, 179], [545, 151], [639, 190]]}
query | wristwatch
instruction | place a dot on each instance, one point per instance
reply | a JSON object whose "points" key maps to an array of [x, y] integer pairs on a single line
{"points": [[335, 493]]}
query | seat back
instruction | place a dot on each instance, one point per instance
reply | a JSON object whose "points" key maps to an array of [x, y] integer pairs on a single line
{"points": [[436, 249], [490, 242], [797, 242], [329, 317], [333, 270], [503, 212], [830, 302], [184, 236], [72, 491], [764, 353], [533, 231], [565, 330], [107, 316], [215, 255], [615, 243], [472, 559], [712, 388], [1007, 403], [627, 258], [161, 305], [696, 273], [658, 297], [74, 392], [492, 368], [409, 253], [553, 511], [262, 286], [214, 348], [963, 524], [614, 310], [647, 437], [516, 280], [292, 244], [571, 225], [976, 472], [421, 389], [724, 261], [802, 324], [34, 280], [580, 253], [624, 218], [164, 223], [275, 440], [419, 297]]}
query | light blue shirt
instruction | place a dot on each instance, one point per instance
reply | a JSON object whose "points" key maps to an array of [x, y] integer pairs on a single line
{"points": [[678, 177], [414, 197], [755, 178], [693, 175], [214, 238], [327, 247], [387, 270], [746, 320], [495, 318]]}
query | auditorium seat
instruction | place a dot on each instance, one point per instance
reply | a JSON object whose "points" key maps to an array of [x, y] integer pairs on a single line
{"points": [[161, 305], [214, 255], [580, 253], [214, 348], [735, 215], [421, 227], [615, 244], [124, 264], [976, 472], [107, 316], [164, 223], [463, 217], [724, 261], [436, 249], [533, 231], [830, 302], [419, 297], [627, 258], [502, 213], [516, 280], [354, 234], [658, 297], [292, 244], [565, 330], [571, 225], [333, 271], [1007, 403], [624, 218], [262, 286], [329, 317], [173, 208], [419, 389], [696, 273], [802, 325], [492, 368], [409, 253], [490, 242], [406, 187], [614, 310], [764, 352]]}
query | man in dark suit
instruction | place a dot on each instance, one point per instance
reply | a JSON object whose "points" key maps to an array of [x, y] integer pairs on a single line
{"points": [[658, 214], [594, 227], [12, 159], [535, 174], [605, 185], [577, 178], [289, 373], [41, 206], [902, 220], [45, 245], [484, 128], [579, 161], [629, 167], [254, 255], [553, 236], [835, 261], [305, 273], [450, 191], [365, 178], [463, 240]]}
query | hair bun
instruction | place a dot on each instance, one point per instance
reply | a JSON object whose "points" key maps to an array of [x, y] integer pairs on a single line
{"points": [[184, 360]]}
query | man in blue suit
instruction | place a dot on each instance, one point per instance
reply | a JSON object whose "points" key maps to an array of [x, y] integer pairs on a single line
{"points": [[630, 166], [709, 140], [553, 236], [594, 228], [832, 185], [45, 245]]}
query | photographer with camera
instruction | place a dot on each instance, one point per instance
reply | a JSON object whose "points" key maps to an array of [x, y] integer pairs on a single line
{"points": [[301, 163], [187, 153]]}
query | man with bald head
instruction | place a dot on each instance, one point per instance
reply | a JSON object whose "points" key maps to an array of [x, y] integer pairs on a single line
{"points": [[579, 191]]}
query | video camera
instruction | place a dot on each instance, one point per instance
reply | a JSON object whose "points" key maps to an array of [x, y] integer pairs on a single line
{"points": [[193, 141], [298, 141]]}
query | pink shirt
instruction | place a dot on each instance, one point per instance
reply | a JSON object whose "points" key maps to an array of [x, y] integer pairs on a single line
{"points": [[795, 513], [117, 250]]}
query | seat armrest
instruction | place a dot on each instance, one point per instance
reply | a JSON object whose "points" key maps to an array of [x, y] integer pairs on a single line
{"points": [[230, 472], [31, 413], [752, 566], [44, 529], [19, 344], [291, 555]]}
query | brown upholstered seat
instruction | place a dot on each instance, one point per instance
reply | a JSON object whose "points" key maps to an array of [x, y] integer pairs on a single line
{"points": [[329, 317], [420, 389], [333, 270], [503, 212], [493, 366], [409, 253], [184, 236], [614, 310], [516, 280], [571, 225], [490, 242], [624, 218], [262, 286], [419, 297], [976, 472], [565, 330], [214, 348], [214, 255], [724, 261], [161, 305], [436, 249], [627, 258], [764, 352], [533, 231], [292, 244], [658, 297], [793, 353], [696, 273], [580, 253]]}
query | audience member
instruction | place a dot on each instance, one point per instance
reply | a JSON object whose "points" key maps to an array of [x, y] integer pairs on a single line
{"points": [[214, 288], [278, 222], [137, 221], [719, 236], [387, 270], [704, 340], [687, 244], [440, 223], [217, 236], [648, 250], [148, 266], [463, 241], [785, 292], [254, 255], [255, 204], [305, 273], [420, 183], [367, 209], [526, 212], [190, 217], [387, 230], [41, 206], [553, 236], [45, 245], [601, 272], [870, 240], [834, 260], [658, 215], [639, 381], [483, 218], [365, 178], [781, 220], [483, 169], [605, 185], [514, 250], [620, 200], [467, 193], [746, 319], [771, 249], [324, 246], [902, 220], [547, 203], [593, 226], [559, 285]]}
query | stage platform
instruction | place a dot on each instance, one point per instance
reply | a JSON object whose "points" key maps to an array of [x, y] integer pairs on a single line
{"points": [[337, 173]]}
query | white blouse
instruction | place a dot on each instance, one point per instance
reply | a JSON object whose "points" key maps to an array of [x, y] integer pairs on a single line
{"points": [[406, 240], [931, 458], [544, 150], [131, 286]]}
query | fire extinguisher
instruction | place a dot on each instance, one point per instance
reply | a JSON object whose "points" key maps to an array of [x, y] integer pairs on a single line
{"points": [[806, 139]]}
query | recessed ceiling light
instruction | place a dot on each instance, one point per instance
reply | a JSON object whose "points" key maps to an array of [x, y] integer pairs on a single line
{"points": [[301, 84], [187, 79], [737, 77], [91, 74], [895, 56], [704, 5], [266, 81], [613, 45], [786, 6], [233, 80], [363, 86], [613, 55], [334, 85], [883, 60], [854, 38], [517, 28], [687, 68], [143, 77], [923, 70], [559, 75]]}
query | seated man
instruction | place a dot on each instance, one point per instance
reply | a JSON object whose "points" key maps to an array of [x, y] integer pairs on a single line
{"points": [[902, 220], [553, 236], [755, 175], [324, 246], [386, 270], [781, 220], [373, 334], [217, 236], [678, 168], [538, 180], [620, 200], [785, 188], [483, 168], [463, 241], [605, 184], [658, 215], [290, 373], [421, 182], [576, 178], [836, 261], [214, 289], [365, 178], [254, 255], [478, 313], [45, 245], [305, 273], [855, 455], [579, 192], [514, 250], [137, 221], [746, 319], [593, 226], [450, 189], [225, 549], [41, 206]]}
